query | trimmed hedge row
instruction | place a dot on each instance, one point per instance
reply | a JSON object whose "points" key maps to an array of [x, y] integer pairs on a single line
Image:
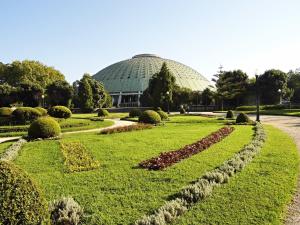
{"points": [[77, 158], [167, 159], [139, 126], [204, 186]]}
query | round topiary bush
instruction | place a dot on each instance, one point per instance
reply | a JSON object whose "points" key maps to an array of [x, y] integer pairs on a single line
{"points": [[135, 113], [229, 114], [21, 200], [44, 127], [60, 111], [42, 110], [157, 109], [150, 116], [182, 111], [25, 114], [163, 115], [103, 113], [242, 118], [5, 111]]}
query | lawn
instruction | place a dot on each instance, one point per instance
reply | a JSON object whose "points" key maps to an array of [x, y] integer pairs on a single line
{"points": [[118, 192], [259, 194], [4, 146], [76, 122]]}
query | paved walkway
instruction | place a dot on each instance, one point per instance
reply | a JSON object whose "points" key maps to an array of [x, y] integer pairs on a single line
{"points": [[117, 123]]}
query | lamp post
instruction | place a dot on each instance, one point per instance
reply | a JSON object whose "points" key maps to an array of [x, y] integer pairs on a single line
{"points": [[43, 103], [257, 98], [168, 101], [280, 100]]}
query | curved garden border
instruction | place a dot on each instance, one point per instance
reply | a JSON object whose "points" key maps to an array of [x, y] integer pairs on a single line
{"points": [[203, 187]]}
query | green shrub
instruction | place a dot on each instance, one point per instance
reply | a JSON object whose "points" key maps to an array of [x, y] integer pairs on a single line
{"points": [[21, 201], [150, 116], [163, 115], [25, 114], [103, 113], [42, 110], [182, 111], [274, 107], [44, 127], [135, 113], [5, 111], [157, 109], [242, 118], [229, 114], [65, 211], [60, 111]]}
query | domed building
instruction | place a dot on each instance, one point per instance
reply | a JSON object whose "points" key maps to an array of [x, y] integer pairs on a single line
{"points": [[126, 80]]}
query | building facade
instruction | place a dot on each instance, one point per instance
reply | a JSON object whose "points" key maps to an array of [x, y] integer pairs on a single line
{"points": [[126, 80]]}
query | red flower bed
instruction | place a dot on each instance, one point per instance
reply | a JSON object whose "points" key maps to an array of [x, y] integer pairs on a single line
{"points": [[167, 159]]}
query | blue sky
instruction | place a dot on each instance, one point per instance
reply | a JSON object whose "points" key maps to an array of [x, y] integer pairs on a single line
{"points": [[77, 36]]}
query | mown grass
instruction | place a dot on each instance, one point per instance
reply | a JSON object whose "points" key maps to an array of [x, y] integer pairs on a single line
{"points": [[257, 195], [118, 192], [4, 146]]}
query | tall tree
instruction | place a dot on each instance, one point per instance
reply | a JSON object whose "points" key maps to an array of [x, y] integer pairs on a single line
{"points": [[7, 95], [160, 90], [231, 85], [29, 94], [293, 84], [270, 82], [29, 71], [207, 96], [85, 95], [59, 93]]}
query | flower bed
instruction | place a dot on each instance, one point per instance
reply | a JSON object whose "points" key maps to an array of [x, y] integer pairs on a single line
{"points": [[139, 126], [203, 187], [77, 157], [167, 159]]}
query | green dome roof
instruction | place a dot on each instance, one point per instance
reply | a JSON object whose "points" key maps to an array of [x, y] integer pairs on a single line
{"points": [[132, 75]]}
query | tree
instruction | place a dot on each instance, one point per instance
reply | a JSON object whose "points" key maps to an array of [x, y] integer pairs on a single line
{"points": [[160, 90], [59, 93], [85, 95], [293, 83], [181, 96], [28, 71], [7, 95], [269, 84], [207, 96], [29, 93], [231, 85], [99, 96]]}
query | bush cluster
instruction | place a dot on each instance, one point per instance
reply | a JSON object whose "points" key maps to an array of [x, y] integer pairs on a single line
{"points": [[150, 116], [25, 114], [167, 159], [12, 151], [65, 211], [103, 113], [60, 112], [139, 126], [42, 111], [77, 157], [135, 113], [229, 114], [44, 127], [242, 118], [203, 187], [163, 115], [21, 201], [5, 111]]}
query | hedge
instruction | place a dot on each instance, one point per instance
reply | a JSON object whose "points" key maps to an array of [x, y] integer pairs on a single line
{"points": [[150, 116], [5, 111], [25, 114], [60, 112]]}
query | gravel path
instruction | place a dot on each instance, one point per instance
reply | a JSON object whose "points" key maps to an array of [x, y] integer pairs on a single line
{"points": [[117, 123]]}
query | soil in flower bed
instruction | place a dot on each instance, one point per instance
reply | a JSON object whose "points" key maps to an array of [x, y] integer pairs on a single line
{"points": [[167, 159]]}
